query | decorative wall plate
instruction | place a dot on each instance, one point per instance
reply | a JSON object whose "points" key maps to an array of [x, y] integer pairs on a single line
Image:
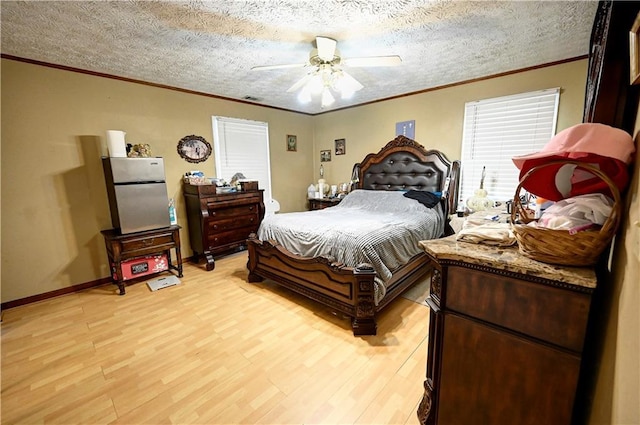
{"points": [[194, 148]]}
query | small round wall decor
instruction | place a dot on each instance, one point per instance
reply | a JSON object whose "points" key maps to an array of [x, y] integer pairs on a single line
{"points": [[194, 148]]}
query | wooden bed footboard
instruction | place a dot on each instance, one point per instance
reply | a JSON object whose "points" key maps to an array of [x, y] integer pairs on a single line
{"points": [[349, 290], [402, 164]]}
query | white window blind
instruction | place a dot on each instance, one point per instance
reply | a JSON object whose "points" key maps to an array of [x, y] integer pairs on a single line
{"points": [[495, 130], [242, 146]]}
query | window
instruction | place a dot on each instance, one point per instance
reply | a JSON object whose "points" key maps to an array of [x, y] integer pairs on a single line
{"points": [[495, 130], [242, 146]]}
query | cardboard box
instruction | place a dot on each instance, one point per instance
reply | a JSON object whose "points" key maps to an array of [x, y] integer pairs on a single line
{"points": [[137, 267]]}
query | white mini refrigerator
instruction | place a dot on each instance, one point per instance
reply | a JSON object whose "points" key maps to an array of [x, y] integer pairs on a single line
{"points": [[137, 193]]}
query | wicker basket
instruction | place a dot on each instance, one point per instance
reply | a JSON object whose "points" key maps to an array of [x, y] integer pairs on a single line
{"points": [[556, 246]]}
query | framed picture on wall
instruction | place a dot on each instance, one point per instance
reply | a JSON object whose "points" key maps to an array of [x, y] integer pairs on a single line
{"points": [[634, 51], [341, 146], [194, 149], [325, 156], [292, 143], [407, 129]]}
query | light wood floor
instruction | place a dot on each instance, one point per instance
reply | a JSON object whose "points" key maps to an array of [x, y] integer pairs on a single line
{"points": [[211, 350]]}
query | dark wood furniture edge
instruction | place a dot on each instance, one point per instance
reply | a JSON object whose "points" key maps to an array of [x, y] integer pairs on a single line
{"points": [[513, 274], [610, 100], [314, 277]]}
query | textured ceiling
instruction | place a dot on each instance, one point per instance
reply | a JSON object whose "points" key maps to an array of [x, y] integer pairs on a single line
{"points": [[210, 46]]}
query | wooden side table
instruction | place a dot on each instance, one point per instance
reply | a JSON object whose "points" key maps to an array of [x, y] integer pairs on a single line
{"points": [[322, 203], [140, 244]]}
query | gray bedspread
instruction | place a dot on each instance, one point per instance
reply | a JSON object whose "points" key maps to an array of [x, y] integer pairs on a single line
{"points": [[381, 228]]}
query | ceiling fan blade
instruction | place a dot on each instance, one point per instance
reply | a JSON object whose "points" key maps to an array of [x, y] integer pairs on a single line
{"points": [[301, 82], [373, 61], [326, 48], [269, 67], [349, 83]]}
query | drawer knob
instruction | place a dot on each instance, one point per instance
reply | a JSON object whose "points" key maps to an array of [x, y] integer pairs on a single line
{"points": [[148, 242]]}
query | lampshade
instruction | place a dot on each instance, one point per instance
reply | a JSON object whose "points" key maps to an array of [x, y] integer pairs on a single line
{"points": [[327, 97], [324, 79]]}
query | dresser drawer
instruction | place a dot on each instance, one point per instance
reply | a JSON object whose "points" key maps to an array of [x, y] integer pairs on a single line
{"points": [[236, 236], [552, 314], [142, 243], [218, 213], [225, 224]]}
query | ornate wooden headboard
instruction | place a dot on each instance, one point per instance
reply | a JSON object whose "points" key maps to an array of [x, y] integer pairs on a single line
{"points": [[404, 164]]}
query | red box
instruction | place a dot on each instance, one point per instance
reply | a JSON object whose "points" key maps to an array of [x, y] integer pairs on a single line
{"points": [[137, 267]]}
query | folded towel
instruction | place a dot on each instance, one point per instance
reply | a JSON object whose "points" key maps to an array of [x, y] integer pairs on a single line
{"points": [[497, 234]]}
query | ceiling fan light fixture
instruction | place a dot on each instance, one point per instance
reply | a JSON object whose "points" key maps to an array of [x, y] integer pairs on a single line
{"points": [[326, 48], [304, 96], [327, 98], [347, 94], [325, 73], [346, 84], [315, 84]]}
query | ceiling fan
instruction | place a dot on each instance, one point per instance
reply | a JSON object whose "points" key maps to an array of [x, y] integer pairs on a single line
{"points": [[326, 72]]}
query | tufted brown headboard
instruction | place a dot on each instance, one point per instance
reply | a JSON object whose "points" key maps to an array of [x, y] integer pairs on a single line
{"points": [[403, 164]]}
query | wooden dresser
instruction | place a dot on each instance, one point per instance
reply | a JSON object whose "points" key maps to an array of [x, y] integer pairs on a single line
{"points": [[221, 223], [506, 337]]}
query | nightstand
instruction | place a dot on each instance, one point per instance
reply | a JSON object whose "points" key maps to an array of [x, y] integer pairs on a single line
{"points": [[121, 248], [320, 204]]}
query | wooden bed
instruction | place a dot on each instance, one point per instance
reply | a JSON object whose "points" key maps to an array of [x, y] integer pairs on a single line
{"points": [[402, 164]]}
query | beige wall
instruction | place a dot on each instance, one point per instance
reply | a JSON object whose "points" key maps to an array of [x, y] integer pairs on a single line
{"points": [[438, 115], [53, 127], [53, 190]]}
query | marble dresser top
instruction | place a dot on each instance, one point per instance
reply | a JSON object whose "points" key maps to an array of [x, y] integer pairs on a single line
{"points": [[508, 259]]}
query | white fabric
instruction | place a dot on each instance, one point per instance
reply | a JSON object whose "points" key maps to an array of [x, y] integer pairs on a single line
{"points": [[577, 213], [488, 233]]}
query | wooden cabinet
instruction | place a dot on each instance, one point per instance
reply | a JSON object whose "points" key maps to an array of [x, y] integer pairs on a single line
{"points": [[319, 204], [121, 248], [221, 223], [506, 336]]}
